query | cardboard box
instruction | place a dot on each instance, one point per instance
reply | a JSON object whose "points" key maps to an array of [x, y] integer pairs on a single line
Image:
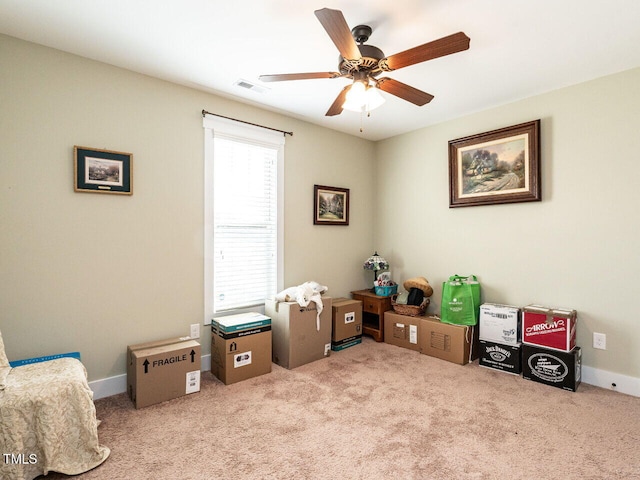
{"points": [[240, 325], [346, 323], [500, 356], [401, 330], [296, 337], [346, 343], [240, 347], [445, 341], [162, 370], [552, 367], [500, 324], [549, 328]]}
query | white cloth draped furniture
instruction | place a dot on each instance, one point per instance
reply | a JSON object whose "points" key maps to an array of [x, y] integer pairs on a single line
{"points": [[47, 419]]}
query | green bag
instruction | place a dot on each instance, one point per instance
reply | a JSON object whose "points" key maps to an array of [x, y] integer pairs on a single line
{"points": [[460, 300]]}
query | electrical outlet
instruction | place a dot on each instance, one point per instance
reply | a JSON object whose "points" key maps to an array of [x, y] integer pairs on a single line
{"points": [[599, 341], [195, 330]]}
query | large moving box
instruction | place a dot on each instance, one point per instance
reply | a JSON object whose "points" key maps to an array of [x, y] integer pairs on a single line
{"points": [[446, 341], [162, 370], [346, 323], [240, 347], [297, 340], [402, 330]]}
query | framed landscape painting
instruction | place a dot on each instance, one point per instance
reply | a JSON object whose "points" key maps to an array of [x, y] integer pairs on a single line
{"points": [[102, 171], [330, 205], [500, 166]]}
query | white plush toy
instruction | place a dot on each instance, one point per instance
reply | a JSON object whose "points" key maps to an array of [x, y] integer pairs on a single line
{"points": [[305, 294]]}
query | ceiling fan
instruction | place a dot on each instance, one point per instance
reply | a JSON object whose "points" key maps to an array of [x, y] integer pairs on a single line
{"points": [[364, 63]]}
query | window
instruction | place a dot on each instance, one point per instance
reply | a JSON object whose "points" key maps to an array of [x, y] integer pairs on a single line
{"points": [[243, 216]]}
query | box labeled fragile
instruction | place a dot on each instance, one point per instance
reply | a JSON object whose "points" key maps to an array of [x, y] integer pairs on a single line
{"points": [[500, 323], [552, 367], [346, 323], [162, 370], [452, 343], [401, 330], [549, 327], [300, 334], [500, 356]]}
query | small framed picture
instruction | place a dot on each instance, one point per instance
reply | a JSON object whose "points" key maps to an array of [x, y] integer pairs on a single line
{"points": [[102, 171], [501, 166], [330, 205]]}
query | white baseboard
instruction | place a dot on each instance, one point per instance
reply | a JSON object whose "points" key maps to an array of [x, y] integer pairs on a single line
{"points": [[600, 378], [108, 386], [611, 381], [118, 384]]}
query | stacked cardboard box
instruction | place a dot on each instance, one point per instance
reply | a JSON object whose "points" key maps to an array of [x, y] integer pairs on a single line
{"points": [[300, 336], [162, 370], [240, 347], [500, 334], [453, 343], [401, 330], [346, 323], [549, 352], [430, 336]]}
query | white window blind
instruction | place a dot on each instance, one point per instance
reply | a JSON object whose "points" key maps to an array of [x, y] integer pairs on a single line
{"points": [[242, 204]]}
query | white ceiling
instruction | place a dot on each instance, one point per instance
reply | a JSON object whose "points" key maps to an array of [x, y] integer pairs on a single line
{"points": [[519, 48]]}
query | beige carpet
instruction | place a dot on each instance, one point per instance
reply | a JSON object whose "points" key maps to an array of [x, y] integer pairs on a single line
{"points": [[374, 411]]}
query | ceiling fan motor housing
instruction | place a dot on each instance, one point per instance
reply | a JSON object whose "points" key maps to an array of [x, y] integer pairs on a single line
{"points": [[370, 57]]}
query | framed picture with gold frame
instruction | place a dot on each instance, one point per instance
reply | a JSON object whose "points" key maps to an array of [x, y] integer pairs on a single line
{"points": [[102, 171], [500, 166]]}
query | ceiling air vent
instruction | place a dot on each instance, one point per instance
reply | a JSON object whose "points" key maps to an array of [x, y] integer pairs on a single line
{"points": [[250, 86]]}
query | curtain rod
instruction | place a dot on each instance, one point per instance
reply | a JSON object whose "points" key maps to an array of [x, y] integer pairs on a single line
{"points": [[204, 112]]}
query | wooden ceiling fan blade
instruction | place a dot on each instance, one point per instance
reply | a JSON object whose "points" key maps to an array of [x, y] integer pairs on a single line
{"points": [[404, 91], [336, 106], [438, 48], [336, 26], [281, 77]]}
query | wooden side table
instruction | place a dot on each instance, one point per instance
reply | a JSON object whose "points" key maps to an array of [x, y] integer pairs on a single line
{"points": [[373, 308]]}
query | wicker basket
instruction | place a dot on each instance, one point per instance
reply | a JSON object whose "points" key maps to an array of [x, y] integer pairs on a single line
{"points": [[410, 310]]}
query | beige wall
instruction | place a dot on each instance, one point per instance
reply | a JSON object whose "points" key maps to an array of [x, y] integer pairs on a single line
{"points": [[94, 273], [577, 248]]}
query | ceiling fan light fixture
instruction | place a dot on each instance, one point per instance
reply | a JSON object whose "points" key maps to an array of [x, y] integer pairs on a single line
{"points": [[362, 98], [374, 99], [356, 97]]}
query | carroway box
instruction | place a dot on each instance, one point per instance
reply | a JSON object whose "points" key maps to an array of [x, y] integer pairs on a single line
{"points": [[500, 323], [445, 341], [500, 356], [240, 347], [346, 323], [550, 328], [299, 337], [552, 367], [401, 330], [162, 370]]}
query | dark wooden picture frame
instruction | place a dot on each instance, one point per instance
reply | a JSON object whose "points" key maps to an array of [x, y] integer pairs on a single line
{"points": [[102, 171], [330, 205], [496, 167]]}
